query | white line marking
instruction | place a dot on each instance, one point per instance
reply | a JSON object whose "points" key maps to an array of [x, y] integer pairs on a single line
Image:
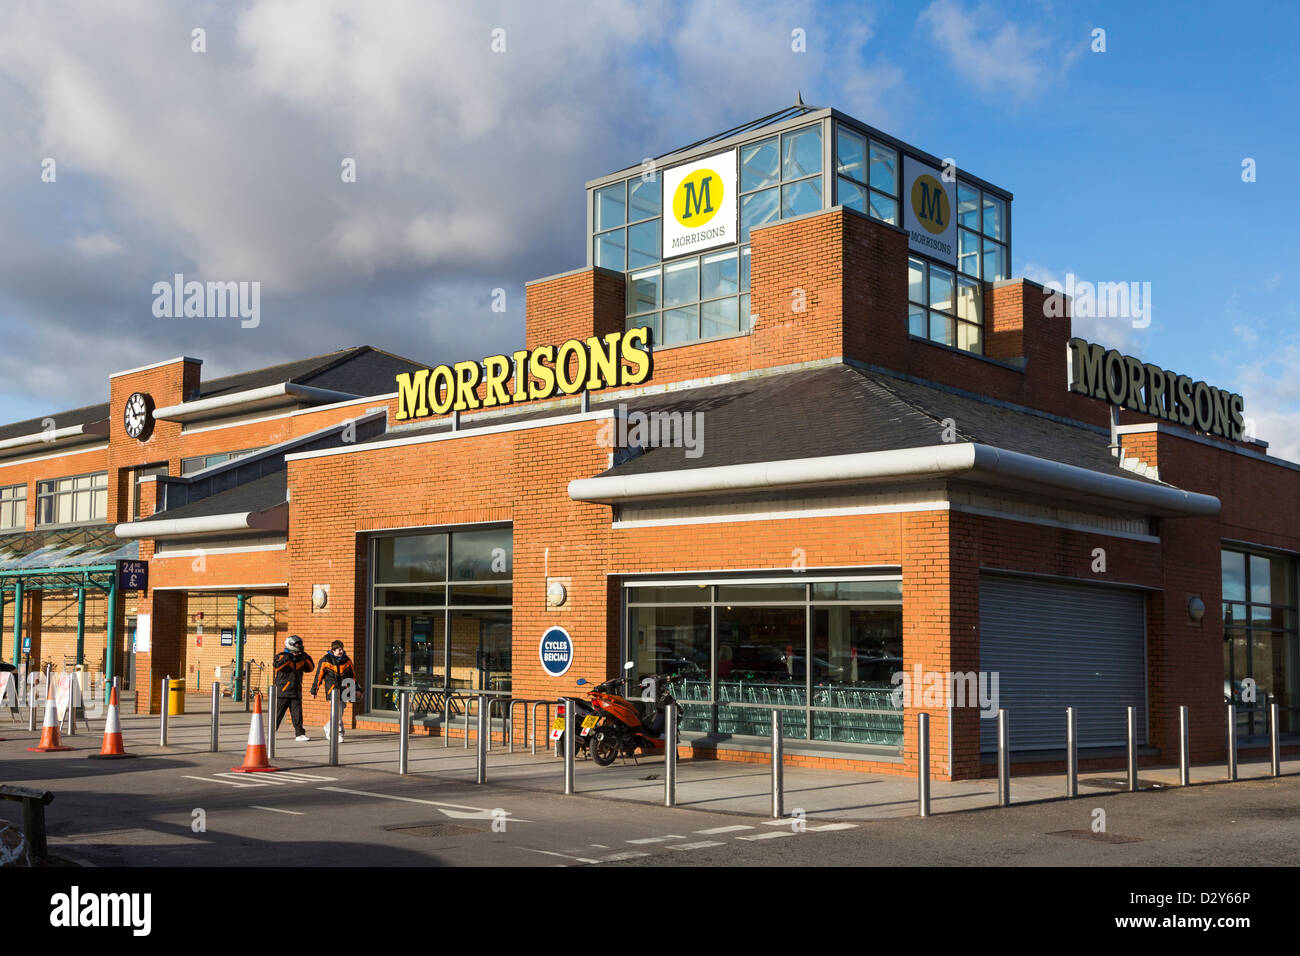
{"points": [[389, 796], [229, 783], [305, 777], [659, 839], [717, 830], [600, 846], [625, 855], [826, 827], [694, 846], [580, 859], [262, 779], [767, 836], [296, 813]]}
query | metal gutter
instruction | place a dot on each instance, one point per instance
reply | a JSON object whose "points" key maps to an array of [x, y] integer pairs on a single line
{"points": [[86, 430], [275, 518], [994, 465], [248, 400]]}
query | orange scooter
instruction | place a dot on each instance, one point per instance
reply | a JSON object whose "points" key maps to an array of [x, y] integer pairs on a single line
{"points": [[621, 728]]}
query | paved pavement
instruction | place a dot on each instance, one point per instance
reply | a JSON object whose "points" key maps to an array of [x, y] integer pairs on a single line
{"points": [[183, 805]]}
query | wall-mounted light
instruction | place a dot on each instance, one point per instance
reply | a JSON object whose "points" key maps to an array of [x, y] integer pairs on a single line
{"points": [[1195, 608], [320, 596], [556, 594]]}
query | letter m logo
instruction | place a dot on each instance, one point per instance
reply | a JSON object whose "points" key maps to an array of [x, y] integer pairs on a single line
{"points": [[931, 204], [699, 202]]}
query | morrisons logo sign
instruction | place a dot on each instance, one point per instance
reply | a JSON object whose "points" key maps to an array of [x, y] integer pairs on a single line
{"points": [[1108, 375]]}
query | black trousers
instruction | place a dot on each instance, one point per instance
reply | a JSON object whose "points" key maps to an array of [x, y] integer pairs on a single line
{"points": [[294, 706]]}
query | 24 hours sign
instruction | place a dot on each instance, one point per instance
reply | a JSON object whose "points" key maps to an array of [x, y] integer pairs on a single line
{"points": [[700, 205]]}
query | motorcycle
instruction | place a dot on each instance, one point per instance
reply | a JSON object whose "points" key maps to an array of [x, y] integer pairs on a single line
{"points": [[622, 727], [584, 717]]}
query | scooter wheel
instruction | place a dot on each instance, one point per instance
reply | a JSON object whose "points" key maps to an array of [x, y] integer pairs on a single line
{"points": [[604, 748]]}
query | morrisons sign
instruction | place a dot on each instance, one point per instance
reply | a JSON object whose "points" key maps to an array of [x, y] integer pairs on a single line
{"points": [[1124, 380]]}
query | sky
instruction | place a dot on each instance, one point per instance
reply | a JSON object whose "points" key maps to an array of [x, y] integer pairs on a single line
{"points": [[1159, 151]]}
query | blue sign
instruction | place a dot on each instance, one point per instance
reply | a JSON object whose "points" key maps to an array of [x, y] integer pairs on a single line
{"points": [[556, 651], [132, 575], [27, 643]]}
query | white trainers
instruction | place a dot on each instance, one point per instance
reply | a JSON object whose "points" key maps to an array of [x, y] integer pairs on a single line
{"points": [[302, 737]]}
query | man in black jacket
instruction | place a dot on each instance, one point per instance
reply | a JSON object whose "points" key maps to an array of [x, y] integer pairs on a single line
{"points": [[335, 668], [290, 664]]}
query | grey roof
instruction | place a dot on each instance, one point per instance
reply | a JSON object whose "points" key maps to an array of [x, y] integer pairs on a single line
{"points": [[77, 416], [361, 370], [256, 495]]}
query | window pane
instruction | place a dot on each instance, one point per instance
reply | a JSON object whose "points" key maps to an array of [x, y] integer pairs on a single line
{"points": [[757, 210], [759, 165], [482, 555], [748, 593], [970, 337], [1234, 576], [611, 209], [968, 207], [994, 261], [915, 280], [671, 594], [995, 212], [643, 244], [1259, 580], [719, 317], [681, 325], [884, 208], [852, 196], [968, 300], [480, 650], [494, 594], [719, 274], [649, 320], [850, 154], [916, 321], [858, 591], [99, 503], [643, 198], [643, 291], [674, 640], [63, 509], [941, 328], [802, 197], [411, 559], [411, 597], [801, 153], [609, 250], [1282, 581], [884, 169], [681, 282], [968, 252], [746, 314], [941, 289]]}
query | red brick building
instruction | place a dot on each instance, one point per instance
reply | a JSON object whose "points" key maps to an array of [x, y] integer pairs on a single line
{"points": [[865, 474]]}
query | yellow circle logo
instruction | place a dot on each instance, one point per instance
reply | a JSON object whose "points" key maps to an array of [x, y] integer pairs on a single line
{"points": [[698, 198], [930, 204]]}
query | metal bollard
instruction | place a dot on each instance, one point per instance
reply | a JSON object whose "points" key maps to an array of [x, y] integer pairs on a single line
{"points": [[1004, 760], [1184, 748], [670, 756], [73, 687], [274, 701], [778, 765], [162, 711], [247, 689], [570, 726], [404, 733], [923, 764], [1275, 740], [467, 724], [1071, 753], [1132, 750], [484, 728], [446, 721], [1232, 741], [32, 680], [336, 718], [213, 745]]}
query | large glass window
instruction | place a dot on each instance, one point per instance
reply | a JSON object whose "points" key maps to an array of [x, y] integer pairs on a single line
{"points": [[626, 226], [822, 652], [76, 500], [944, 306], [1260, 639], [866, 174], [981, 234], [190, 465], [441, 604], [138, 476], [13, 506]]}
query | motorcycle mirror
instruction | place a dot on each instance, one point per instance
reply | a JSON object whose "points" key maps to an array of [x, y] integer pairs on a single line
{"points": [[582, 680], [628, 666]]}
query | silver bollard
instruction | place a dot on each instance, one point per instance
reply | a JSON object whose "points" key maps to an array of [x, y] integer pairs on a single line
{"points": [[570, 728], [247, 689], [446, 721], [467, 724], [923, 764], [73, 687], [670, 756], [162, 711], [1132, 750], [32, 680], [1184, 749], [1071, 753], [778, 765], [336, 718], [404, 733], [1004, 760], [273, 697], [484, 728], [1232, 741], [1275, 741], [213, 745]]}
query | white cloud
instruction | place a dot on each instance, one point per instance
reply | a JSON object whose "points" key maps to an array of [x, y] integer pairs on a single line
{"points": [[96, 245]]}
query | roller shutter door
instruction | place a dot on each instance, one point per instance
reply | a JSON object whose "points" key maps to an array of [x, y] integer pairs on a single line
{"points": [[1057, 645]]}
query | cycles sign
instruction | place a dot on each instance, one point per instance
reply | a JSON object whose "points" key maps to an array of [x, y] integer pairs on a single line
{"points": [[556, 651]]}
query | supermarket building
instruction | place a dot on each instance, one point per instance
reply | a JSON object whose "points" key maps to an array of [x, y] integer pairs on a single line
{"points": [[792, 431]]}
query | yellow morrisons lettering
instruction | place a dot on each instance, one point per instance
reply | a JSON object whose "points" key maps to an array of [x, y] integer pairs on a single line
{"points": [[619, 358]]}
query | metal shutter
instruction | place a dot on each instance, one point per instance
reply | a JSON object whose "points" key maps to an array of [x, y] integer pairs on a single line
{"points": [[1058, 645]]}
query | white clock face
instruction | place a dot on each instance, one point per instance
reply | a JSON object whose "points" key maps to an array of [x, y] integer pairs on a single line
{"points": [[136, 416]]}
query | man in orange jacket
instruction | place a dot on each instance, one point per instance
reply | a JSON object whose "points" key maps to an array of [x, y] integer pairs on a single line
{"points": [[290, 664], [335, 668]]}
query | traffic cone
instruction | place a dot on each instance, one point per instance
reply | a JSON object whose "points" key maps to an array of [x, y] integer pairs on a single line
{"points": [[255, 754], [50, 729], [112, 748]]}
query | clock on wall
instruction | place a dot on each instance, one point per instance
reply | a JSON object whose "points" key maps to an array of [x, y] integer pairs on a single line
{"points": [[138, 416]]}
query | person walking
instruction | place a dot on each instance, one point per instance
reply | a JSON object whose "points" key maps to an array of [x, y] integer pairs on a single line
{"points": [[290, 665], [335, 668]]}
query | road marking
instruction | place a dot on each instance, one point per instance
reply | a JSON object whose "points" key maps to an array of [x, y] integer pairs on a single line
{"points": [[767, 836], [658, 839], [230, 783], [305, 777], [717, 830], [625, 855], [826, 827], [263, 779], [296, 813], [457, 811], [580, 859], [600, 846], [694, 846]]}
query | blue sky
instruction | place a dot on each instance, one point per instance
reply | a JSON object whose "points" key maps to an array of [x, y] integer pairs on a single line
{"points": [[1125, 165]]}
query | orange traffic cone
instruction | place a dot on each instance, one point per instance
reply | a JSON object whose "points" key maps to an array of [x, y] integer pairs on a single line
{"points": [[50, 729], [112, 748], [255, 755]]}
